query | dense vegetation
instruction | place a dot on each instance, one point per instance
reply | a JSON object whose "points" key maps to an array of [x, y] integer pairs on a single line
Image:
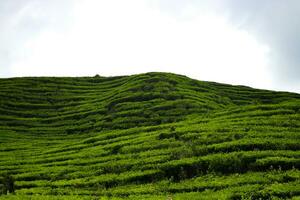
{"points": [[147, 136]]}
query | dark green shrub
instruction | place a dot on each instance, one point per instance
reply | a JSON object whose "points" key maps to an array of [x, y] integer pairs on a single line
{"points": [[168, 136], [115, 149], [171, 134], [8, 185]]}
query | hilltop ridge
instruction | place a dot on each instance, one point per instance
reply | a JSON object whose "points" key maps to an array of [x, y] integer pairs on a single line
{"points": [[119, 102]]}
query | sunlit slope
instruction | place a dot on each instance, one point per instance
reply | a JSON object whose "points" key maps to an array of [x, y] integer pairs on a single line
{"points": [[72, 105], [148, 136]]}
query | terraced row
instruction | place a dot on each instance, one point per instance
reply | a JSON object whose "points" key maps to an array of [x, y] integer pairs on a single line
{"points": [[147, 136]]}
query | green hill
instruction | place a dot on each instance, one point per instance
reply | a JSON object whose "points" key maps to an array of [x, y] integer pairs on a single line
{"points": [[146, 136]]}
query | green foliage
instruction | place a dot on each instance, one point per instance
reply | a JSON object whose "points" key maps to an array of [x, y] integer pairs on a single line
{"points": [[146, 136], [7, 184]]}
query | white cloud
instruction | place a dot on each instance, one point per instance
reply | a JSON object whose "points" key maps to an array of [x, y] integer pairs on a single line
{"points": [[115, 38], [118, 37]]}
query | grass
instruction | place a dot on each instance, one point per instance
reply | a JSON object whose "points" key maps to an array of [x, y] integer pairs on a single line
{"points": [[146, 136]]}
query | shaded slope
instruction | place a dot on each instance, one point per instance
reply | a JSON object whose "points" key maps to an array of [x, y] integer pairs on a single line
{"points": [[148, 135]]}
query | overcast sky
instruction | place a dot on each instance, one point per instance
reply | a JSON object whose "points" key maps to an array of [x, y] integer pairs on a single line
{"points": [[245, 42]]}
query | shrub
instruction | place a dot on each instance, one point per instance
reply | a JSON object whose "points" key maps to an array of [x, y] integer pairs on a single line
{"points": [[8, 185], [171, 134]]}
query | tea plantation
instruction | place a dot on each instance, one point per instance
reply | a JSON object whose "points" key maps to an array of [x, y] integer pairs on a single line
{"points": [[147, 136]]}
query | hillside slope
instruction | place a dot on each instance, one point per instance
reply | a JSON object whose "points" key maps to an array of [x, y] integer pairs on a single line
{"points": [[147, 136]]}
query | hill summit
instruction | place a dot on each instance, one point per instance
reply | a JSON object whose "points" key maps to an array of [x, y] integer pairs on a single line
{"points": [[146, 136]]}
